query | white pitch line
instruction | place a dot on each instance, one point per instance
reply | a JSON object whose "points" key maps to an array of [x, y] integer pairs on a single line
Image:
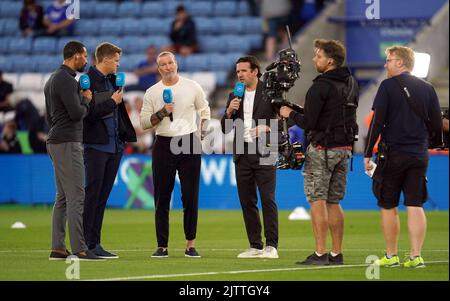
{"points": [[240, 272], [219, 250]]}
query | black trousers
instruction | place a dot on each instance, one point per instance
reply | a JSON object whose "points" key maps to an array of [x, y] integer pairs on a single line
{"points": [[250, 176], [101, 169], [165, 165]]}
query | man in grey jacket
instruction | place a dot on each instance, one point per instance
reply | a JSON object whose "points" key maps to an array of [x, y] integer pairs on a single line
{"points": [[66, 106]]}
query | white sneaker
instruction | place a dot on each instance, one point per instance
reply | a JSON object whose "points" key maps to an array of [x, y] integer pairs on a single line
{"points": [[251, 253], [270, 252]]}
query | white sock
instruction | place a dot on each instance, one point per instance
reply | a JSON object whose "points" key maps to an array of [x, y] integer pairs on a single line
{"points": [[318, 254], [334, 254]]}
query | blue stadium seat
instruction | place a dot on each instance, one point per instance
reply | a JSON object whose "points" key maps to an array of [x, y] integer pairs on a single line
{"points": [[134, 44], [129, 9], [235, 43], [19, 45], [218, 62], [171, 6], [90, 43], [9, 27], [10, 9], [181, 63], [87, 27], [212, 44], [131, 26], [243, 8], [256, 41], [6, 64], [221, 78], [196, 62], [45, 64], [253, 25], [229, 25], [225, 8], [87, 9], [110, 27], [152, 9], [22, 63], [44, 45], [205, 25], [129, 62], [158, 41], [118, 41], [200, 8], [4, 45], [106, 9], [156, 26]]}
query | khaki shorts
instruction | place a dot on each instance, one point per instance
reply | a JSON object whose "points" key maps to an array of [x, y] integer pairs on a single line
{"points": [[325, 184]]}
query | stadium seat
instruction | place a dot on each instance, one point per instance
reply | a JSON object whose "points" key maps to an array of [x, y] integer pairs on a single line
{"points": [[4, 45], [62, 42], [225, 8], [152, 26], [87, 10], [129, 9], [243, 8], [255, 41], [135, 45], [221, 78], [30, 82], [129, 62], [106, 10], [87, 27], [158, 41], [253, 25], [21, 63], [44, 45], [131, 26], [152, 9], [6, 64], [171, 6], [218, 62], [46, 64], [235, 43], [205, 25], [110, 27], [212, 44], [196, 62], [9, 27], [90, 43], [229, 25], [200, 8], [19, 45], [10, 9]]}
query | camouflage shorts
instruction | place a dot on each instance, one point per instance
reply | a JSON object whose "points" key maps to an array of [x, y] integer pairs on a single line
{"points": [[325, 184]]}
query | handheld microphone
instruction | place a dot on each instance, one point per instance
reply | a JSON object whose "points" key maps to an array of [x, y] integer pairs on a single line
{"points": [[238, 92], [85, 82], [120, 80], [168, 98]]}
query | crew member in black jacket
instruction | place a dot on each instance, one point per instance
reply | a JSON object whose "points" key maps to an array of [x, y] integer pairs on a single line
{"points": [[252, 169], [331, 128], [107, 128]]}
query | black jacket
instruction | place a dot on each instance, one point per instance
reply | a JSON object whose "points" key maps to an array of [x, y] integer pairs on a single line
{"points": [[324, 106], [261, 110], [94, 129], [64, 106]]}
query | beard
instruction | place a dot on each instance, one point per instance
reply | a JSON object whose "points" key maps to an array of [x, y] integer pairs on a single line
{"points": [[81, 69]]}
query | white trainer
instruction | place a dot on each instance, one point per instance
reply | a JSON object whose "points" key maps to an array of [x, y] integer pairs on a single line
{"points": [[270, 252], [251, 253]]}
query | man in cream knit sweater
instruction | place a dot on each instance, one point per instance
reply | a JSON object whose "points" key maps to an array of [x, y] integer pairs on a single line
{"points": [[176, 148]]}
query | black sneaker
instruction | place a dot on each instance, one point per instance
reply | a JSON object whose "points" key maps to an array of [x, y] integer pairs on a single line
{"points": [[314, 259], [58, 256], [192, 252], [87, 256], [335, 260], [102, 253], [160, 253]]}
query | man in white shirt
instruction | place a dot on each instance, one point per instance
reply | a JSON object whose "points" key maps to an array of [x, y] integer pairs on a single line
{"points": [[188, 100], [252, 171]]}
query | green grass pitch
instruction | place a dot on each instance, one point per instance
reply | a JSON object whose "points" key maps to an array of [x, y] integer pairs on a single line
{"points": [[220, 237]]}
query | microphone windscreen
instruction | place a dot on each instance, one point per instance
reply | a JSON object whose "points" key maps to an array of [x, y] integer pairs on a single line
{"points": [[120, 79], [167, 96], [85, 82], [239, 89]]}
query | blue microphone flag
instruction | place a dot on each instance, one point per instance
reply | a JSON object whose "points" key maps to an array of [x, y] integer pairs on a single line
{"points": [[120, 79], [167, 96], [85, 82], [239, 89]]}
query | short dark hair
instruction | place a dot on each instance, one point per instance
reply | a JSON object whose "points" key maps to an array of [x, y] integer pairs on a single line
{"points": [[72, 48], [106, 50], [180, 8], [333, 49], [253, 63]]}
